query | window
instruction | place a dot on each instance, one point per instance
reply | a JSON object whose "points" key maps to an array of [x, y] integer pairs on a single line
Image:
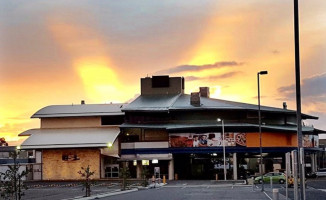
{"points": [[160, 81], [70, 157], [112, 171], [112, 120]]}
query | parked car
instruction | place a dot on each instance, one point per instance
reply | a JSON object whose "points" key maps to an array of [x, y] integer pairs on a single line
{"points": [[311, 174], [277, 177], [321, 172]]}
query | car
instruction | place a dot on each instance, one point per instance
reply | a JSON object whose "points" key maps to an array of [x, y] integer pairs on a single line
{"points": [[321, 172], [277, 177], [311, 174]]}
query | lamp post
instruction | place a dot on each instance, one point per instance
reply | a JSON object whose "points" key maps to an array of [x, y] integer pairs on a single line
{"points": [[223, 135], [260, 137]]}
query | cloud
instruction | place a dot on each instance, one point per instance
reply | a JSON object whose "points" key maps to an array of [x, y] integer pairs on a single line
{"points": [[221, 76], [310, 87], [185, 68]]}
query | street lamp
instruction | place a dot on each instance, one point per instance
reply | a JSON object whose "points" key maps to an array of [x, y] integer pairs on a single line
{"points": [[221, 120], [259, 122]]}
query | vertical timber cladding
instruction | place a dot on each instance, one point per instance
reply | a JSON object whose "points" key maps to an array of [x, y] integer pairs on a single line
{"points": [[64, 164]]}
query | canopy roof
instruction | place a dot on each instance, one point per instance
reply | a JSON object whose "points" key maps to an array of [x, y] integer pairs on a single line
{"points": [[80, 110], [227, 126], [70, 138]]}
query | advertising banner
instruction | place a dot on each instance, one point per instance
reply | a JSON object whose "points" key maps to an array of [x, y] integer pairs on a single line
{"points": [[310, 141], [207, 139]]}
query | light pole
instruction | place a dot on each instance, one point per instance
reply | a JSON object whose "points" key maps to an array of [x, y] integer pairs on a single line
{"points": [[223, 135], [259, 124]]}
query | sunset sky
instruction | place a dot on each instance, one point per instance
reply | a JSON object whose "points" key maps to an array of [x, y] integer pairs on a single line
{"points": [[61, 52]]}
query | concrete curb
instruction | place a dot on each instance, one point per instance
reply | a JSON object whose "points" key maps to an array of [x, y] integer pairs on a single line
{"points": [[106, 194]]}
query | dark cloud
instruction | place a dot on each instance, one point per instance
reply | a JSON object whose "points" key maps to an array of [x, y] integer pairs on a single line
{"points": [[312, 89], [221, 76], [184, 68]]}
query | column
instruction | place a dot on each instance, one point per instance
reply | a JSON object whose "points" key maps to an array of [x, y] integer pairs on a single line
{"points": [[312, 158], [235, 167], [139, 170], [171, 169], [316, 164]]}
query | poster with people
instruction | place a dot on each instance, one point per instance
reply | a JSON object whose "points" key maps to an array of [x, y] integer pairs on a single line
{"points": [[207, 139], [310, 141]]}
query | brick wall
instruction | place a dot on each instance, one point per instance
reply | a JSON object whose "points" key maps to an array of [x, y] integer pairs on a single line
{"points": [[55, 168]]}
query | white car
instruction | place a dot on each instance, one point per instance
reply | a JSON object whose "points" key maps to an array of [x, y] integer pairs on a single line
{"points": [[321, 172]]}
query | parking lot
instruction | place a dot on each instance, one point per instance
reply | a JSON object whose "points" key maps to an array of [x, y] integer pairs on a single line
{"points": [[197, 189]]}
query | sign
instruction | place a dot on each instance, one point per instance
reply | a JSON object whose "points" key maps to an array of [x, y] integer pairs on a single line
{"points": [[156, 170], [207, 139]]}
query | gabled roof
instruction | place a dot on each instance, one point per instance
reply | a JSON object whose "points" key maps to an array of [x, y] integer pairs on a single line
{"points": [[166, 103], [80, 110]]}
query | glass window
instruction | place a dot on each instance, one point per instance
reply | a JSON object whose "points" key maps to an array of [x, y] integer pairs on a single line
{"points": [[112, 171]]}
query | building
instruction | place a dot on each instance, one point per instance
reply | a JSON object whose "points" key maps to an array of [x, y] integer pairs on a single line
{"points": [[24, 159], [75, 136], [168, 132], [179, 133]]}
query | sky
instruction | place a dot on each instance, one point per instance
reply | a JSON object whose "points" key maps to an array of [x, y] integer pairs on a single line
{"points": [[62, 52]]}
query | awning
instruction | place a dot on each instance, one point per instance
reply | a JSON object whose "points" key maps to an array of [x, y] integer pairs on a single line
{"points": [[166, 156], [198, 125], [70, 138]]}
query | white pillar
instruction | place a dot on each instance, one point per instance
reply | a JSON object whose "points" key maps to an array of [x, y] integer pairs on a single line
{"points": [[315, 161], [171, 170], [139, 170], [235, 167]]}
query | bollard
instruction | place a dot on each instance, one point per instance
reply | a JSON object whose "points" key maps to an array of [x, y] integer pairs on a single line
{"points": [[164, 179], [275, 194], [271, 183], [216, 177]]}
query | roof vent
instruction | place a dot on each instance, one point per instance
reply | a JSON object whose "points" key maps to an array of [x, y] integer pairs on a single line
{"points": [[204, 92], [82, 102], [285, 106], [195, 99]]}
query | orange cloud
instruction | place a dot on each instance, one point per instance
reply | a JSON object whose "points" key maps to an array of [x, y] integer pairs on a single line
{"points": [[91, 61]]}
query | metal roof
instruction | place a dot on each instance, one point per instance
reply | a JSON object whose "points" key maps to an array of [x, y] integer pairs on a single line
{"points": [[174, 127], [151, 103], [70, 138], [80, 110], [166, 103]]}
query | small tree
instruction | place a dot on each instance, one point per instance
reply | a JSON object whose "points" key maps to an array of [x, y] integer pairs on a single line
{"points": [[86, 173], [11, 180], [124, 174], [3, 142], [144, 175]]}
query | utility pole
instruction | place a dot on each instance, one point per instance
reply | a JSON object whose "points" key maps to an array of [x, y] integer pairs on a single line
{"points": [[298, 93]]}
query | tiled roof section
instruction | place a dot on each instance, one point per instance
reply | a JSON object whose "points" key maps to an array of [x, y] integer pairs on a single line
{"points": [[80, 110]]}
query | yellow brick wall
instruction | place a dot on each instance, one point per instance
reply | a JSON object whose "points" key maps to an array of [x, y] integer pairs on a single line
{"points": [[70, 122], [54, 168]]}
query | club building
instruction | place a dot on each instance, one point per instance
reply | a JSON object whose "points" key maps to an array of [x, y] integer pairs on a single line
{"points": [[166, 129], [75, 136]]}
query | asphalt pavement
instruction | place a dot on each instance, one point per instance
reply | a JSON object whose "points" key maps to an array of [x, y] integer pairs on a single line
{"points": [[174, 190]]}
